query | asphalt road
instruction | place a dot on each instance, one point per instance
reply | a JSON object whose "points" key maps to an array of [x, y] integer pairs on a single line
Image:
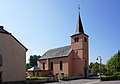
{"points": [[86, 81]]}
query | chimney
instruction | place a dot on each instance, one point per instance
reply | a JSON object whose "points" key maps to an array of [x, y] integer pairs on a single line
{"points": [[1, 27]]}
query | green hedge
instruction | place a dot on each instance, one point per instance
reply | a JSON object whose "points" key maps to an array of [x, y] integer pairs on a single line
{"points": [[108, 73], [111, 76], [116, 73], [35, 78], [108, 78]]}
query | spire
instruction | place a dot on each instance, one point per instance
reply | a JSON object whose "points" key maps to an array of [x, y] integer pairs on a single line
{"points": [[79, 28]]}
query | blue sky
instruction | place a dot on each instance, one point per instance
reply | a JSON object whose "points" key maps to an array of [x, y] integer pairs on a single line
{"points": [[44, 24]]}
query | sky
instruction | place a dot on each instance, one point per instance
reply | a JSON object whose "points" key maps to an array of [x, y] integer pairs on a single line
{"points": [[41, 25]]}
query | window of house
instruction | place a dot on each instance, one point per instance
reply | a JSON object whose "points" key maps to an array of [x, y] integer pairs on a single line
{"points": [[33, 73], [43, 66], [85, 39], [37, 73], [61, 65], [76, 39], [51, 66], [0, 60]]}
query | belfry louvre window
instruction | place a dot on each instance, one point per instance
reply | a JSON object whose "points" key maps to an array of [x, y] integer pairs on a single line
{"points": [[85, 39], [76, 39], [61, 65], [1, 60]]}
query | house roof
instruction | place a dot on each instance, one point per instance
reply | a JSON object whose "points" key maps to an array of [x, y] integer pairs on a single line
{"points": [[2, 30], [34, 68], [57, 52]]}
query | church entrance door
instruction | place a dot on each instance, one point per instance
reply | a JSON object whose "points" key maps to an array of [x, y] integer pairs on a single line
{"points": [[85, 72]]}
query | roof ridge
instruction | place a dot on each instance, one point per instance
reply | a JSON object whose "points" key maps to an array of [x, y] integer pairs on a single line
{"points": [[59, 47]]}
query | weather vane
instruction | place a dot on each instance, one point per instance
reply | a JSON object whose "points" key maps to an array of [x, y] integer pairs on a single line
{"points": [[78, 9]]}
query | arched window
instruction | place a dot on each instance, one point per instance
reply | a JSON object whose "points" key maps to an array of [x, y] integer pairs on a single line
{"points": [[1, 60], [51, 66], [76, 39], [43, 66], [61, 65], [85, 39]]}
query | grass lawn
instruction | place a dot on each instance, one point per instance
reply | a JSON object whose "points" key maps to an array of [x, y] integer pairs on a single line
{"points": [[39, 77]]}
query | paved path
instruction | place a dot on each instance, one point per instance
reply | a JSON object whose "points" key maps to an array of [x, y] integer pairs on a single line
{"points": [[86, 81]]}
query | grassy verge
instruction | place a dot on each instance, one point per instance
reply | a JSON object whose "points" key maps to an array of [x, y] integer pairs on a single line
{"points": [[35, 78]]}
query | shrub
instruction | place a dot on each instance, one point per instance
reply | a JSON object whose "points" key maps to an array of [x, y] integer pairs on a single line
{"points": [[109, 73], [118, 77], [116, 74], [106, 78]]}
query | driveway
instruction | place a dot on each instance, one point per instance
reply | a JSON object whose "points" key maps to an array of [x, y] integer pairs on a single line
{"points": [[86, 81]]}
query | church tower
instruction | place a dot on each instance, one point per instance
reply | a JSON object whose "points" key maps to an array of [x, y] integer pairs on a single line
{"points": [[79, 43]]}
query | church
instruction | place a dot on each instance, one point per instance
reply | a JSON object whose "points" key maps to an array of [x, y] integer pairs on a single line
{"points": [[71, 60]]}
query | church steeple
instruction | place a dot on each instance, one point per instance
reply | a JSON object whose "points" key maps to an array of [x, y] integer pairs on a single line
{"points": [[79, 45], [79, 27]]}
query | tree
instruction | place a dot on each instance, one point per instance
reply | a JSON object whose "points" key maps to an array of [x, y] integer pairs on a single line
{"points": [[103, 69], [33, 60], [91, 65], [113, 64], [28, 66], [95, 68]]}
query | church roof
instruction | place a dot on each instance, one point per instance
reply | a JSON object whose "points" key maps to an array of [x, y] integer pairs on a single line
{"points": [[79, 27], [34, 68], [57, 52], [2, 30]]}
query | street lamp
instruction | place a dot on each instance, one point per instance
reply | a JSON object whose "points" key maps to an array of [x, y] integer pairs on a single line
{"points": [[100, 63]]}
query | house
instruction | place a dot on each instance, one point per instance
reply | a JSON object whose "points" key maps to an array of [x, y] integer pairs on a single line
{"points": [[12, 58], [71, 60], [33, 71]]}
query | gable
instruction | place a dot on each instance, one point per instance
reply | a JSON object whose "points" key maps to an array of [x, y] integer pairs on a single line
{"points": [[6, 32]]}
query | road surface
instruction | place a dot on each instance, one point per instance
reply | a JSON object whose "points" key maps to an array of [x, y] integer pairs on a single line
{"points": [[86, 81]]}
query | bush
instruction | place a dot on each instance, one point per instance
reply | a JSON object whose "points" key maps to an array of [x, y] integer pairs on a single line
{"points": [[106, 78], [116, 74], [109, 73], [118, 77]]}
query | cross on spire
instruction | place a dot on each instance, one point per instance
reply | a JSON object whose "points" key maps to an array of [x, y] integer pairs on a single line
{"points": [[79, 28], [79, 9]]}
